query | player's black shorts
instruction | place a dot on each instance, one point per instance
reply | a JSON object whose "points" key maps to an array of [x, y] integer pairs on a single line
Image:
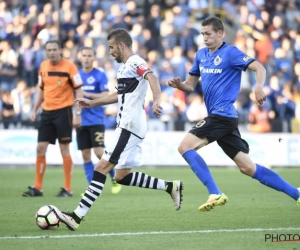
{"points": [[90, 136], [56, 124], [224, 130]]}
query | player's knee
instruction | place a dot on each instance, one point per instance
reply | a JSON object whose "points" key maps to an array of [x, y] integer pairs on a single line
{"points": [[181, 149], [246, 169], [41, 150]]}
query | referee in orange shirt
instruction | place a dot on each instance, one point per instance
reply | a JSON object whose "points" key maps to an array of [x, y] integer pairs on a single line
{"points": [[58, 80]]}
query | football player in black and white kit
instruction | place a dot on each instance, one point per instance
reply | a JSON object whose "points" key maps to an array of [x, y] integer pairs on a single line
{"points": [[124, 152]]}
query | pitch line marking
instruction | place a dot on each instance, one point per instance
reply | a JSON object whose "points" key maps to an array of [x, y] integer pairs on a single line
{"points": [[152, 233]]}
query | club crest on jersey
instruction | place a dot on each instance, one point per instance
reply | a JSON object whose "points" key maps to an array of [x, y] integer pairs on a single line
{"points": [[217, 60], [90, 80], [58, 82]]}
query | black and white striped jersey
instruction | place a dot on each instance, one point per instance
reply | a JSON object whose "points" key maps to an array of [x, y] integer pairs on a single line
{"points": [[132, 88]]}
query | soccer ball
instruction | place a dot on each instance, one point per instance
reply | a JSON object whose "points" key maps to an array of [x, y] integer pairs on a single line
{"points": [[46, 218]]}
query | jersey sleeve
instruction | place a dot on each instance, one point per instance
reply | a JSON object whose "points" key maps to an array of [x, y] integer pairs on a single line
{"points": [[103, 82], [143, 69], [239, 60], [75, 77], [195, 71]]}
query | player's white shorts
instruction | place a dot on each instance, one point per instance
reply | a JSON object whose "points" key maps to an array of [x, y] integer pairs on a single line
{"points": [[124, 150]]}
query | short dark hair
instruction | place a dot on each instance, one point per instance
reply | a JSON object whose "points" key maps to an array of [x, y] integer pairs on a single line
{"points": [[53, 41], [216, 23], [120, 35], [88, 48]]}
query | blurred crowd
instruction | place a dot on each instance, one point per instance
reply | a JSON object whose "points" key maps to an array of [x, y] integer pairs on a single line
{"points": [[166, 33]]}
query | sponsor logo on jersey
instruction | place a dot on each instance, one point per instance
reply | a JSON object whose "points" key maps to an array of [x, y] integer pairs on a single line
{"points": [[210, 71], [88, 87], [217, 60], [246, 58]]}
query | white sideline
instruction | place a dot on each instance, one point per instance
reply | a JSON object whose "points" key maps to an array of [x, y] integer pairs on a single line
{"points": [[152, 233]]}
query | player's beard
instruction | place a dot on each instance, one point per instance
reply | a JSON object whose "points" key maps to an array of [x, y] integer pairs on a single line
{"points": [[119, 57]]}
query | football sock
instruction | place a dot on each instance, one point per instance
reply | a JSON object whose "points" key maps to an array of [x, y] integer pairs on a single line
{"points": [[271, 179], [201, 170], [143, 180], [89, 171], [91, 194], [40, 167], [68, 168], [112, 173]]}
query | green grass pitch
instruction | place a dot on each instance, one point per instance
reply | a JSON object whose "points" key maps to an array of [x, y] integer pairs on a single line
{"points": [[145, 219]]}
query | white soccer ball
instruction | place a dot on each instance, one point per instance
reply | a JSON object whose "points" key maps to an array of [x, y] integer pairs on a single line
{"points": [[46, 218]]}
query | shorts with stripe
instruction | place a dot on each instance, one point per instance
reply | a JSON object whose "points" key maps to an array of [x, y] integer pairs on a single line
{"points": [[56, 124], [90, 136], [124, 150], [225, 131]]}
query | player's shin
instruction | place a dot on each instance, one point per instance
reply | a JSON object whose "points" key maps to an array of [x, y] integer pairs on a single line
{"points": [[91, 194], [201, 170], [271, 179]]}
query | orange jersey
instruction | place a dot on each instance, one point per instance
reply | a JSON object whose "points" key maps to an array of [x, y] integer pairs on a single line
{"points": [[58, 82]]}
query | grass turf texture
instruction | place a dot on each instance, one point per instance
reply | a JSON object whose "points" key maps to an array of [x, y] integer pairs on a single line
{"points": [[145, 219]]}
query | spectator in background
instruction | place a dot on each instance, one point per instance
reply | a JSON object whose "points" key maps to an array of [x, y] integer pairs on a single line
{"points": [[7, 111], [8, 67], [26, 61]]}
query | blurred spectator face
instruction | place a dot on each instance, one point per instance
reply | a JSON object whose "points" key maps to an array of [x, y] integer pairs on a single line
{"points": [[277, 22], [280, 53], [274, 82], [66, 5], [155, 10], [131, 6], [26, 42], [88, 42], [297, 68], [265, 16], [53, 52], [21, 85], [286, 44], [87, 57]]}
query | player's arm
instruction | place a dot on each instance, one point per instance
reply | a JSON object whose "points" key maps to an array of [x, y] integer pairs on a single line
{"points": [[156, 91], [187, 86], [109, 98], [260, 80], [95, 95], [112, 97]]}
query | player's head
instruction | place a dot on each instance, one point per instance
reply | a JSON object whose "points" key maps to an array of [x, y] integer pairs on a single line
{"points": [[87, 57], [212, 31], [119, 41], [53, 51]]}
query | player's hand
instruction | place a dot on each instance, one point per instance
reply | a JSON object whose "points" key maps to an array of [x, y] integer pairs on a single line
{"points": [[156, 108], [84, 103], [260, 95], [174, 82], [33, 116]]}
